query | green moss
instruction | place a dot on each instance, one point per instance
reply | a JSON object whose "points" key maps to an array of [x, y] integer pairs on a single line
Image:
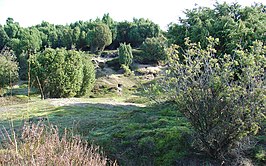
{"points": [[171, 144]]}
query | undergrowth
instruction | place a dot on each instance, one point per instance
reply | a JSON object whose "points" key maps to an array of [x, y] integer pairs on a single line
{"points": [[39, 144]]}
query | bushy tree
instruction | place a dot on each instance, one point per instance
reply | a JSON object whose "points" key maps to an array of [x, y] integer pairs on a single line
{"points": [[123, 29], [88, 76], [135, 33], [48, 35], [232, 24], [99, 37], [125, 57], [27, 43], [11, 28], [75, 36], [125, 54], [143, 29], [67, 38], [63, 73], [30, 40], [3, 38], [8, 69], [106, 19], [223, 98], [154, 49]]}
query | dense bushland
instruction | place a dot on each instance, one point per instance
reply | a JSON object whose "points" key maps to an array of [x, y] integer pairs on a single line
{"points": [[234, 26], [135, 33], [223, 98], [92, 35], [63, 73], [217, 83], [81, 34]]}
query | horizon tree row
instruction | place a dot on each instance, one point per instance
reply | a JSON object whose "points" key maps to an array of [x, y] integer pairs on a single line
{"points": [[81, 35]]}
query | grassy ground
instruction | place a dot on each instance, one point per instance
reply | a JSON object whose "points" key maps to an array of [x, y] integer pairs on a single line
{"points": [[127, 129], [131, 133]]}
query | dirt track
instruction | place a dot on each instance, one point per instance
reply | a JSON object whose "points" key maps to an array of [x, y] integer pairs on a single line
{"points": [[80, 102], [84, 102]]}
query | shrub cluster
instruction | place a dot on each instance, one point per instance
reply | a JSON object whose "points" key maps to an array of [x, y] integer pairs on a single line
{"points": [[223, 98], [63, 73], [155, 49], [39, 144], [125, 57], [125, 54]]}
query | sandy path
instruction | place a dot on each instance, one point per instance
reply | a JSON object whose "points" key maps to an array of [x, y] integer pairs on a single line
{"points": [[85, 102]]}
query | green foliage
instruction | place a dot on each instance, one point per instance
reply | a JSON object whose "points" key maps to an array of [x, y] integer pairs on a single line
{"points": [[63, 73], [167, 143], [3, 38], [11, 28], [125, 58], [223, 98], [126, 70], [94, 34], [8, 69], [234, 26], [49, 34], [30, 40], [136, 32], [88, 77], [99, 37], [76, 35], [154, 49], [66, 38], [106, 19], [125, 54], [260, 155], [123, 29]]}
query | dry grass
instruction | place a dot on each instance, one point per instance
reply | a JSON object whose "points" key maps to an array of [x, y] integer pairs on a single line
{"points": [[39, 144]]}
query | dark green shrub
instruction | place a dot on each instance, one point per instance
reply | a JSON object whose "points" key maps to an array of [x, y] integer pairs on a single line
{"points": [[233, 24], [154, 49], [126, 70], [63, 73], [99, 38], [88, 77], [125, 54]]}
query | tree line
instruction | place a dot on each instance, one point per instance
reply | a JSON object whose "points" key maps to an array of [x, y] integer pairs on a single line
{"points": [[92, 35], [235, 26]]}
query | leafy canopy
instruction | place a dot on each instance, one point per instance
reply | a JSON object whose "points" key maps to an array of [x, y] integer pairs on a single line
{"points": [[234, 25]]}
